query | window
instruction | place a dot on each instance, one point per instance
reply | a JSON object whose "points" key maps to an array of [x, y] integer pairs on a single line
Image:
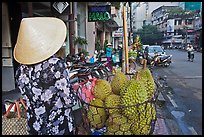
{"points": [[190, 22], [186, 22], [179, 22]]}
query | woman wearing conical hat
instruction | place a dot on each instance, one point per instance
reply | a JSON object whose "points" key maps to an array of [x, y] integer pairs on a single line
{"points": [[43, 78]]}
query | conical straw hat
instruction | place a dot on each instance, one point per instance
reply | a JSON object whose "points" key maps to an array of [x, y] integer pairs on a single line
{"points": [[38, 39], [109, 44]]}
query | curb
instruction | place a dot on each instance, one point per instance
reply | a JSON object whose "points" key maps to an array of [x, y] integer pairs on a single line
{"points": [[160, 127]]}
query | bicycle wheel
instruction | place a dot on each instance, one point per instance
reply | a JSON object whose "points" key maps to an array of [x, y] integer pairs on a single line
{"points": [[103, 73], [96, 74]]}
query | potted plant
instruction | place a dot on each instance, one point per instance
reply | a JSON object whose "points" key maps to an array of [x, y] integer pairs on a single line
{"points": [[80, 41]]}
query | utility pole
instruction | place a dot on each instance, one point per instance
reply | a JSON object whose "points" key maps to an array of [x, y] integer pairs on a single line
{"points": [[71, 29], [186, 35], [130, 32], [125, 65]]}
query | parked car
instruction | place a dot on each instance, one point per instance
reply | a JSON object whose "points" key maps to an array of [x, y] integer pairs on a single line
{"points": [[151, 50]]}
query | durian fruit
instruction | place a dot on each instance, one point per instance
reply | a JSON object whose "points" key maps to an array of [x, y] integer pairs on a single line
{"points": [[118, 81], [142, 124], [112, 129], [124, 87], [113, 101], [116, 119], [117, 124], [125, 127], [147, 113], [146, 76], [96, 115], [133, 95], [102, 89], [140, 129]]}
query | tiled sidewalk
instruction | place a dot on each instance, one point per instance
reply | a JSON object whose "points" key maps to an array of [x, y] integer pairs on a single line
{"points": [[160, 127]]}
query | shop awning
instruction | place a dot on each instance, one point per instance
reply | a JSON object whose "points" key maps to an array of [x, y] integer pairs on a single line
{"points": [[112, 24]]}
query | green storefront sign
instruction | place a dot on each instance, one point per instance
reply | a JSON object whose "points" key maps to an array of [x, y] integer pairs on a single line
{"points": [[99, 13]]}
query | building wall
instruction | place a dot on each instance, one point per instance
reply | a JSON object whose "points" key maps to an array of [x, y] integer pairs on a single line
{"points": [[139, 13], [8, 81], [118, 34], [90, 33]]}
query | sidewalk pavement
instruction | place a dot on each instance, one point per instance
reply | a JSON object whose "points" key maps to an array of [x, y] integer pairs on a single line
{"points": [[160, 127]]}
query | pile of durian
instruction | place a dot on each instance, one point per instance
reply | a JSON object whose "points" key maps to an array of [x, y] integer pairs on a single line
{"points": [[123, 106]]}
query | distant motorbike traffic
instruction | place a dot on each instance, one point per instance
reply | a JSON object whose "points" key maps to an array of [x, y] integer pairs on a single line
{"points": [[161, 60], [190, 52], [190, 56]]}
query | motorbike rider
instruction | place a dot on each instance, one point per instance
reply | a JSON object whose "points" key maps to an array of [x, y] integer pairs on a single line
{"points": [[189, 50]]}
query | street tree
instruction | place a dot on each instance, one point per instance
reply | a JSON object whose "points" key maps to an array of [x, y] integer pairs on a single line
{"points": [[149, 34]]}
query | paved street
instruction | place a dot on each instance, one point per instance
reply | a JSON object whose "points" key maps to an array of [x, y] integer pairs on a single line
{"points": [[184, 95]]}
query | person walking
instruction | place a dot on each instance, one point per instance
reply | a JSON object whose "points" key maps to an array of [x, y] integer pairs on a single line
{"points": [[43, 78], [120, 55], [109, 51]]}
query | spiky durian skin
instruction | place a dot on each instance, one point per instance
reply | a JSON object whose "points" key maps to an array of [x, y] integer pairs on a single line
{"points": [[97, 116], [117, 119], [143, 123], [146, 77], [117, 82], [117, 124], [112, 102], [133, 95], [102, 89]]}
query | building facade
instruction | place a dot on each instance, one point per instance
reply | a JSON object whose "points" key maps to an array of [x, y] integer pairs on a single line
{"points": [[74, 15], [177, 28], [141, 12], [197, 33]]}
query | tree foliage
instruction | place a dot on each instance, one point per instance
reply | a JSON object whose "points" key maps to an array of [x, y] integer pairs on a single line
{"points": [[149, 34], [180, 13], [81, 41], [116, 4]]}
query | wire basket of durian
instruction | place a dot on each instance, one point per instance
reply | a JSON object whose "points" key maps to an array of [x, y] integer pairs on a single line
{"points": [[123, 106]]}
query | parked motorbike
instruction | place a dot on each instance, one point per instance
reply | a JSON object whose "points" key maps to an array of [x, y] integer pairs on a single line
{"points": [[190, 56], [161, 60], [140, 56]]}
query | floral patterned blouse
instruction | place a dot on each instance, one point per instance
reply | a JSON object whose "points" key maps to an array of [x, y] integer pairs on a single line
{"points": [[45, 87]]}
